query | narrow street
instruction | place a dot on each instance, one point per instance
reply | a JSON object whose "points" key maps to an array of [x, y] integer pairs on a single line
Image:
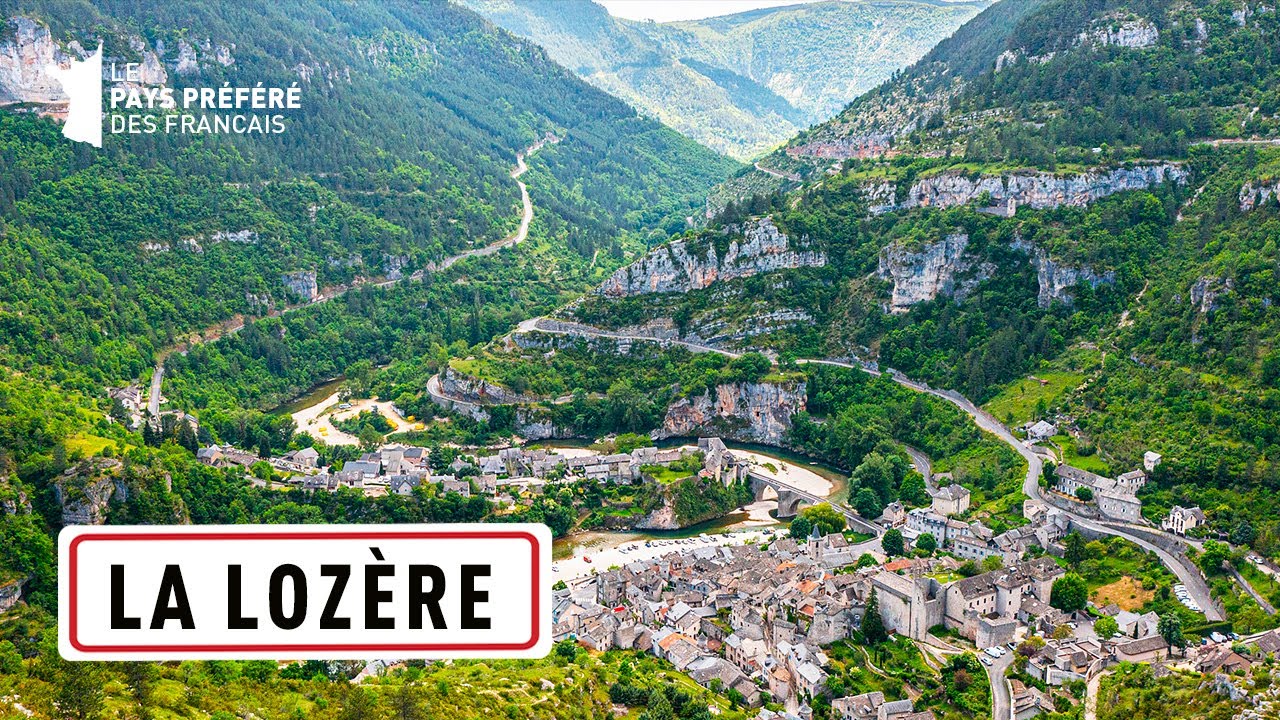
{"points": [[1001, 698]]}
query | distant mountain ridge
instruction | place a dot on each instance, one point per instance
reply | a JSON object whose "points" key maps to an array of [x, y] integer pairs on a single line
{"points": [[740, 84]]}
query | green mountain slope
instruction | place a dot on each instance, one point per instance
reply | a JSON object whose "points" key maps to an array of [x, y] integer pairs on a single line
{"points": [[1067, 211], [741, 83], [400, 157], [412, 117]]}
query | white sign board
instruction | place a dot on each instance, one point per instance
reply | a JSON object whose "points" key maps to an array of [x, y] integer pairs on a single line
{"points": [[304, 592]]}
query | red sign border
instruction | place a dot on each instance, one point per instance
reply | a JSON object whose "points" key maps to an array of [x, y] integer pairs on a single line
{"points": [[301, 535]]}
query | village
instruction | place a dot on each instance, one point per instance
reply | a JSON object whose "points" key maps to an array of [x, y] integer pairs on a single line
{"points": [[505, 476], [757, 619], [756, 614]]}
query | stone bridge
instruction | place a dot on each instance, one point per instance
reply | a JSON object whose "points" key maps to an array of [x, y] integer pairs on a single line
{"points": [[791, 498]]}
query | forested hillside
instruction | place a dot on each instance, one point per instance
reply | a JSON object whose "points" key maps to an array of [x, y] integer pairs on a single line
{"points": [[743, 83], [1066, 211], [412, 115]]}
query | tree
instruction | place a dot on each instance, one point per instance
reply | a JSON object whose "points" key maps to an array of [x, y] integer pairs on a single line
{"points": [[824, 517], [866, 560], [1106, 626], [1214, 556], [1084, 494], [358, 704], [868, 504], [1069, 593], [1075, 553], [10, 658], [406, 703], [801, 526], [142, 677], [892, 542], [991, 563], [78, 693], [1170, 628], [873, 630], [1244, 534], [913, 491], [659, 707], [927, 542]]}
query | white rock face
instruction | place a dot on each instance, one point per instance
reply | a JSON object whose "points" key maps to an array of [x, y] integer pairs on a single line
{"points": [[748, 412], [188, 64], [1129, 32], [1040, 190], [936, 269], [22, 62], [677, 267], [1255, 194], [1207, 289], [1056, 280], [302, 282]]}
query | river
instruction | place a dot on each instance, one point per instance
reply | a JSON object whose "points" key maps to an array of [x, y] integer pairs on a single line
{"points": [[604, 547]]}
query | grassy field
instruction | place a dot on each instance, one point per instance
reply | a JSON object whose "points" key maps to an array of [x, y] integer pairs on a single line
{"points": [[1127, 592], [1018, 401], [86, 445], [1071, 456]]}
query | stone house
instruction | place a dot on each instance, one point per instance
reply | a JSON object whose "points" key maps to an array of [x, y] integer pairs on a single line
{"points": [[1180, 519], [950, 500]]}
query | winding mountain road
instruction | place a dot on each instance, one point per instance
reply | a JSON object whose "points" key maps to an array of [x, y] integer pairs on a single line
{"points": [[1182, 568], [236, 324]]}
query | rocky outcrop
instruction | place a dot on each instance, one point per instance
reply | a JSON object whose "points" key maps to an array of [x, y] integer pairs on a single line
{"points": [[470, 389], [747, 412], [941, 268], [685, 265], [23, 58], [1057, 279], [302, 283], [533, 424], [1130, 32], [1206, 290], [85, 490], [1040, 190], [1255, 194], [861, 146], [11, 592]]}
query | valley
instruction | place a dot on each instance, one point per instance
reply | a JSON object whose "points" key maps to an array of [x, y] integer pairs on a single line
{"points": [[903, 360]]}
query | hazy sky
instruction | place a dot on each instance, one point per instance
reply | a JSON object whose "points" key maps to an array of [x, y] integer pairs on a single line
{"points": [[672, 10]]}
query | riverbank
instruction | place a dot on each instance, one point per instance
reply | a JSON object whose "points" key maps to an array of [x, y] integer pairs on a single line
{"points": [[639, 547]]}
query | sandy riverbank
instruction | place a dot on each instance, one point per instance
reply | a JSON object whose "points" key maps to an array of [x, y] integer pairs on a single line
{"points": [[577, 567], [317, 420], [787, 472]]}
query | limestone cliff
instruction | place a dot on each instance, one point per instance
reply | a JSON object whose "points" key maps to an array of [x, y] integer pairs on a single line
{"points": [[1255, 194], [685, 265], [748, 412], [1057, 279], [23, 58], [1206, 290], [85, 490], [1040, 190], [476, 390], [302, 283], [28, 48], [1129, 32], [941, 268]]}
